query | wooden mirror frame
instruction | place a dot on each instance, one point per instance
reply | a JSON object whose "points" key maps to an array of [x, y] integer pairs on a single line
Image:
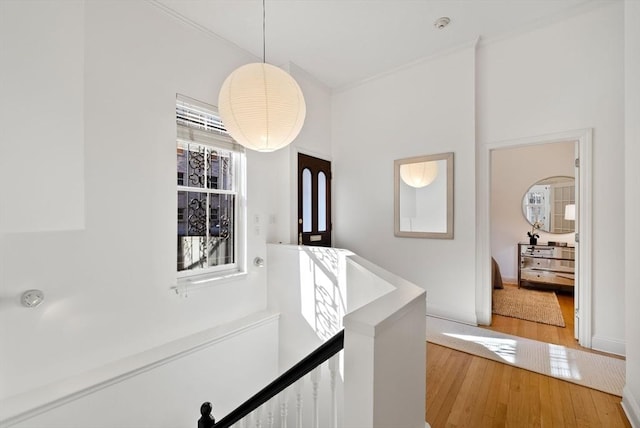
{"points": [[448, 233]]}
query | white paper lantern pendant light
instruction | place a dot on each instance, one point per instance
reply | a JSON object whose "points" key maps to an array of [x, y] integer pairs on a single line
{"points": [[261, 105]]}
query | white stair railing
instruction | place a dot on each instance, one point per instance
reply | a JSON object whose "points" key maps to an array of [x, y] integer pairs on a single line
{"points": [[383, 318], [265, 416]]}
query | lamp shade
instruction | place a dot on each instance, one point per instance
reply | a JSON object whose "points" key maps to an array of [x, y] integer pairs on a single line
{"points": [[419, 174], [570, 212], [262, 107]]}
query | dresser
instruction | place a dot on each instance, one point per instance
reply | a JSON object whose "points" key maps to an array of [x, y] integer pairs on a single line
{"points": [[546, 266]]}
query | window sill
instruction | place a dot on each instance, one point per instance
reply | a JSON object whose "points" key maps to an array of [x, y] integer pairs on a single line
{"points": [[196, 282]]}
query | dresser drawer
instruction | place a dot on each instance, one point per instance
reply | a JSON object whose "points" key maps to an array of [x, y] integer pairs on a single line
{"points": [[549, 264], [538, 251], [548, 252], [559, 278], [546, 265]]}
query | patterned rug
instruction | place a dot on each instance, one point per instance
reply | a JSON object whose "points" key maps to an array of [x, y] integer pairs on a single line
{"points": [[595, 371], [530, 305]]}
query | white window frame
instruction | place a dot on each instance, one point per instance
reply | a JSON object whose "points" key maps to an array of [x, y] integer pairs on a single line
{"points": [[215, 137]]}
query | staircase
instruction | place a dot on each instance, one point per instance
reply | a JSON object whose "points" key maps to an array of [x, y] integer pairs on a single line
{"points": [[380, 376]]}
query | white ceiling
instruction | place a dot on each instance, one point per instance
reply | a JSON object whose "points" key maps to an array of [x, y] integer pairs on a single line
{"points": [[342, 42]]}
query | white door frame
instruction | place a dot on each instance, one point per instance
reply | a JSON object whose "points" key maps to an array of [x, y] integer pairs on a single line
{"points": [[583, 214]]}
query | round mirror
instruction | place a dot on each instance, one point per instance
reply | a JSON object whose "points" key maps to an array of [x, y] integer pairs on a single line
{"points": [[550, 204]]}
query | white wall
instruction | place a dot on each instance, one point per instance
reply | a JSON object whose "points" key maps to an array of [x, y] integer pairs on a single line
{"points": [[631, 393], [427, 108], [42, 116], [568, 76], [513, 171], [107, 284], [304, 288], [165, 386]]}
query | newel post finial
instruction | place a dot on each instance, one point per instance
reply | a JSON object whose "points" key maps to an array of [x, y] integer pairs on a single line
{"points": [[206, 420]]}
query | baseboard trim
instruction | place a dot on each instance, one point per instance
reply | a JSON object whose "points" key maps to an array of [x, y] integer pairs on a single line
{"points": [[631, 407], [612, 346], [24, 406], [450, 317]]}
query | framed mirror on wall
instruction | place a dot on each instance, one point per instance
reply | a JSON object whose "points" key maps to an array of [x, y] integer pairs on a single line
{"points": [[550, 204], [423, 196]]}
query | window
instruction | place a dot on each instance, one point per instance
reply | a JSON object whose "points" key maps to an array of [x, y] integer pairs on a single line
{"points": [[210, 186]]}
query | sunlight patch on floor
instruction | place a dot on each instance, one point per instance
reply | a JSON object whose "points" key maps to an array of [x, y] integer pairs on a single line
{"points": [[504, 348], [594, 371], [560, 364], [559, 361]]}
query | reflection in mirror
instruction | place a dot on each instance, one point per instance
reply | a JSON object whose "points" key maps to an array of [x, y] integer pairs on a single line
{"points": [[419, 174], [551, 203], [424, 196]]}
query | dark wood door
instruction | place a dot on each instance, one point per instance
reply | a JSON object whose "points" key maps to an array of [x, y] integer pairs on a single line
{"points": [[314, 201]]}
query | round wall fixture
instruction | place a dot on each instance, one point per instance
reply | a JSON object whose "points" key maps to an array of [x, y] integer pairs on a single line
{"points": [[442, 22], [32, 298]]}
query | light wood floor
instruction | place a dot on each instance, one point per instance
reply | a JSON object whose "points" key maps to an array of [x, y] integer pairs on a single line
{"points": [[468, 391]]}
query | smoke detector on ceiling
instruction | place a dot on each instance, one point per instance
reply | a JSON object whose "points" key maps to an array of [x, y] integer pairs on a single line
{"points": [[442, 22]]}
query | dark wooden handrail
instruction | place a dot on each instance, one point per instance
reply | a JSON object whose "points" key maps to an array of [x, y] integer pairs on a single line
{"points": [[325, 351]]}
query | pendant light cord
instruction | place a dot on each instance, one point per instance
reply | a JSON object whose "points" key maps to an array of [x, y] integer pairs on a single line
{"points": [[264, 56]]}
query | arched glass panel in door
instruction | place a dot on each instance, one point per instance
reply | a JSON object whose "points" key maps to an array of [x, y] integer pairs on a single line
{"points": [[322, 202], [306, 200]]}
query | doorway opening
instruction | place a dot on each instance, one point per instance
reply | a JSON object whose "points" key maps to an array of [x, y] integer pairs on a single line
{"points": [[532, 240], [580, 144], [314, 201]]}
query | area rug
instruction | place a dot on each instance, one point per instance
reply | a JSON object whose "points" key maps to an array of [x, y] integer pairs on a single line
{"points": [[530, 305], [595, 371]]}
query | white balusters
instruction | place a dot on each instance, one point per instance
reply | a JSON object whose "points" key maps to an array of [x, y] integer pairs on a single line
{"points": [[333, 370], [270, 416], [284, 408], [257, 417], [315, 381], [275, 412], [298, 387]]}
